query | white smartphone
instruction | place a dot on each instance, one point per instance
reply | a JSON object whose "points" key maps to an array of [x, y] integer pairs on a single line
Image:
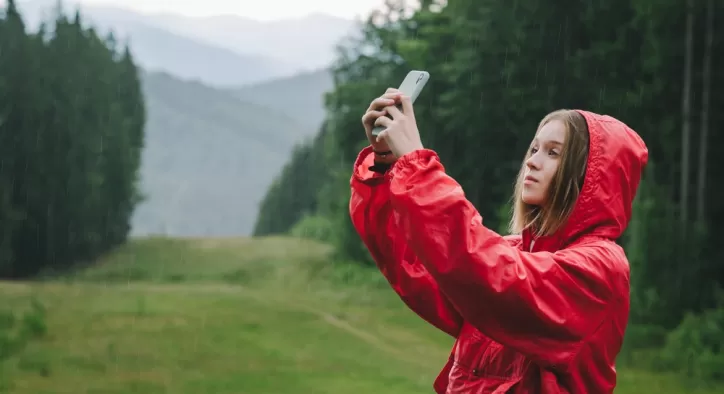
{"points": [[411, 86]]}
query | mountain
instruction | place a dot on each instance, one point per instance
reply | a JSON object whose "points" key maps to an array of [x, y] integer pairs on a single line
{"points": [[211, 154], [308, 43], [209, 158], [223, 50], [157, 49], [301, 96]]}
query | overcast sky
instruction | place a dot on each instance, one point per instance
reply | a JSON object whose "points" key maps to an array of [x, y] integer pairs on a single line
{"points": [[257, 9]]}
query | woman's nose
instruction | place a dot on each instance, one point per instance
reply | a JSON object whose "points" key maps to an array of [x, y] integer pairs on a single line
{"points": [[532, 162]]}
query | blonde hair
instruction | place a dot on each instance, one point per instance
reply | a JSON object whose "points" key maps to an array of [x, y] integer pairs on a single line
{"points": [[566, 183]]}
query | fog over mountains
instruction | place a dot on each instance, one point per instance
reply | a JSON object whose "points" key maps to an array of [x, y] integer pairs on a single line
{"points": [[227, 99]]}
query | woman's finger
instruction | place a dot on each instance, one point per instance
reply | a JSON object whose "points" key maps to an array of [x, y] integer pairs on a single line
{"points": [[382, 135], [393, 95], [407, 106], [381, 102], [383, 121], [385, 100], [394, 111], [369, 116]]}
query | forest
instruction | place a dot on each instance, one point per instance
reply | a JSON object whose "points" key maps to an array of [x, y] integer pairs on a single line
{"points": [[72, 117], [496, 69]]}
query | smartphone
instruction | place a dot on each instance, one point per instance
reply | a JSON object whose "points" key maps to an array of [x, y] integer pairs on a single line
{"points": [[411, 86]]}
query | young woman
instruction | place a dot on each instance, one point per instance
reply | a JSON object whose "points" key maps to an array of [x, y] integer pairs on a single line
{"points": [[540, 311]]}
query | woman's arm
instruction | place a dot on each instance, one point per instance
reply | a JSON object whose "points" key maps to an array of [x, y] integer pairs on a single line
{"points": [[542, 304], [373, 219]]}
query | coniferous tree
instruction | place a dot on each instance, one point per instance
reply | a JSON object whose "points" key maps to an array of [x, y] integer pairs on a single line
{"points": [[72, 118]]}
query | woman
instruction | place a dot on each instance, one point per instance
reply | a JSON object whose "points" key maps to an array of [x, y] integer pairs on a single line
{"points": [[542, 311]]}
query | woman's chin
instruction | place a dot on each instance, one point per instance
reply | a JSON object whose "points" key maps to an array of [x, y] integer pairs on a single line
{"points": [[531, 199]]}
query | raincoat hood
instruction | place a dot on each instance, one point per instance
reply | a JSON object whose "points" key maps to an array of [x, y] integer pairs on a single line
{"points": [[616, 158]]}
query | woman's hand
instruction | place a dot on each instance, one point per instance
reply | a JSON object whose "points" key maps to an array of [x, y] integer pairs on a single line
{"points": [[377, 109], [401, 134]]}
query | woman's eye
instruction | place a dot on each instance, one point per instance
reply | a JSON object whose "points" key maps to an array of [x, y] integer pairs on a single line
{"points": [[533, 150], [553, 152]]}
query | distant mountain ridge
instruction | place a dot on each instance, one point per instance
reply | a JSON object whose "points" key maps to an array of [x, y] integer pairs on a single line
{"points": [[281, 40], [158, 49], [220, 51], [301, 96], [209, 158], [211, 154]]}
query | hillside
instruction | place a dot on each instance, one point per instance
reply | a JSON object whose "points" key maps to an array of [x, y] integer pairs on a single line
{"points": [[209, 158], [250, 316], [301, 96]]}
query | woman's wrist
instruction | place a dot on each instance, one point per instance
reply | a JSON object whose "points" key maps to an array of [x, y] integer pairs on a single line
{"points": [[383, 161], [384, 157]]}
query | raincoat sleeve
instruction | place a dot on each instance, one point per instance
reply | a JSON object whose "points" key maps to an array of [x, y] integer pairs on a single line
{"points": [[372, 217], [542, 304]]}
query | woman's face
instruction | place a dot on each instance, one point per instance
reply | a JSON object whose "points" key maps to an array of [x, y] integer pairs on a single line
{"points": [[543, 163]]}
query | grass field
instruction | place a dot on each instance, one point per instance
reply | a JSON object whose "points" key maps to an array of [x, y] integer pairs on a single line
{"points": [[233, 316]]}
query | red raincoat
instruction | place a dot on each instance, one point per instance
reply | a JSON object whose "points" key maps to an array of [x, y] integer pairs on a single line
{"points": [[543, 319]]}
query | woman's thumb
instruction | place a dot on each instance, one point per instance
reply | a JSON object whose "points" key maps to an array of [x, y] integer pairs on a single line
{"points": [[381, 137]]}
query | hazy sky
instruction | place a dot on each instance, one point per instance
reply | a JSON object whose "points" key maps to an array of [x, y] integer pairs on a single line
{"points": [[257, 9]]}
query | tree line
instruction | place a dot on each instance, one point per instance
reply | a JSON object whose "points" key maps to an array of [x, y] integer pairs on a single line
{"points": [[496, 69], [72, 119]]}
